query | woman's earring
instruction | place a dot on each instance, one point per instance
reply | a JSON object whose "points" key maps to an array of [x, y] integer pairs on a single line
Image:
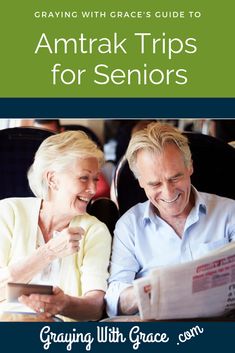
{"points": [[52, 185]]}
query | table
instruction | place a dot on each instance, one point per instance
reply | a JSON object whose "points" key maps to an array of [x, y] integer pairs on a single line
{"points": [[25, 317]]}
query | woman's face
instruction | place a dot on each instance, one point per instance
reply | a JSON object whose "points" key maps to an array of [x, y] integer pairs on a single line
{"points": [[75, 187]]}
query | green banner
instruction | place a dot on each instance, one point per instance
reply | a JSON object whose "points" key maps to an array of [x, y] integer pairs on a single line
{"points": [[106, 48]]}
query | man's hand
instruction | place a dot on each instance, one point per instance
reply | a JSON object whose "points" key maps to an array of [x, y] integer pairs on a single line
{"points": [[127, 302]]}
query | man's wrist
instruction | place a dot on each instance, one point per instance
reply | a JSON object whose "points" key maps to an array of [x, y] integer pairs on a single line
{"points": [[127, 304]]}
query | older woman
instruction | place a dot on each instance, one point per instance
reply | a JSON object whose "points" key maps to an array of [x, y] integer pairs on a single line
{"points": [[50, 239]]}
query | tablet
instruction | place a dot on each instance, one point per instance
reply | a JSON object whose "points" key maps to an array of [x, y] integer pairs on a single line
{"points": [[15, 290]]}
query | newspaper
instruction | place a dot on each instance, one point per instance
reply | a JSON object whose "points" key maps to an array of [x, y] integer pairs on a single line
{"points": [[200, 288]]}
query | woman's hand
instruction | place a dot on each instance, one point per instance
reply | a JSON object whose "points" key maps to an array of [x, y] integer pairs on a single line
{"points": [[88, 307], [46, 305], [66, 243]]}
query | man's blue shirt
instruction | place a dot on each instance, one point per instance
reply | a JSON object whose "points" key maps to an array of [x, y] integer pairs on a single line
{"points": [[142, 240]]}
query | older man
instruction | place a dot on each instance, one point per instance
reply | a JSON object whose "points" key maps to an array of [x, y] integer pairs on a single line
{"points": [[177, 223]]}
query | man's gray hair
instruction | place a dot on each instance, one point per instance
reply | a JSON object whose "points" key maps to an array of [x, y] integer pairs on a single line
{"points": [[153, 139]]}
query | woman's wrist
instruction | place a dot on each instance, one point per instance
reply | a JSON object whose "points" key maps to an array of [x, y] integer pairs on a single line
{"points": [[45, 255]]}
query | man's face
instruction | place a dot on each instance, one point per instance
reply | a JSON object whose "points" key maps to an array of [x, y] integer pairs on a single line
{"points": [[166, 181]]}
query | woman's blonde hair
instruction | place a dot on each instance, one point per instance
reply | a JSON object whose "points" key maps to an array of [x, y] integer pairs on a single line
{"points": [[153, 139], [56, 153]]}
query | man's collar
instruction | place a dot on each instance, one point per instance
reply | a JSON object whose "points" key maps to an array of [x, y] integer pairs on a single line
{"points": [[200, 205], [149, 214]]}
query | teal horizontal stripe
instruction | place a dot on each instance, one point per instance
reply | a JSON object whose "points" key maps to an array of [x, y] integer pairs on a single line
{"points": [[118, 108], [25, 337]]}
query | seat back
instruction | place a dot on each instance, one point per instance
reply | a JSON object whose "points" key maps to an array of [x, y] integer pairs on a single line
{"points": [[213, 162], [90, 133], [105, 210], [17, 149], [125, 189]]}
